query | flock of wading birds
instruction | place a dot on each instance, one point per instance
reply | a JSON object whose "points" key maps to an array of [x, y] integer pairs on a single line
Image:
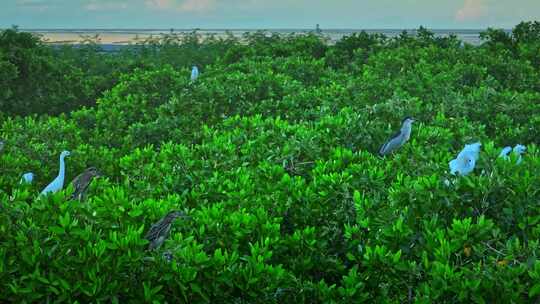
{"points": [[462, 165]]}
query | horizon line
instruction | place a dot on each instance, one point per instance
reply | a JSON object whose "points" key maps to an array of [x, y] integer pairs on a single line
{"points": [[242, 28]]}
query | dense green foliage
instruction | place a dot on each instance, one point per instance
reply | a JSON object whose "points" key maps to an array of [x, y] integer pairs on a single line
{"points": [[272, 154]]}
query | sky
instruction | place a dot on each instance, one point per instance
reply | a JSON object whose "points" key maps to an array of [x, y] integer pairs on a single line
{"points": [[267, 14]]}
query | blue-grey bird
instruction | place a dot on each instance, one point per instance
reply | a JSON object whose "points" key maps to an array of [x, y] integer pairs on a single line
{"points": [[160, 231], [465, 162], [194, 73], [27, 178], [398, 139]]}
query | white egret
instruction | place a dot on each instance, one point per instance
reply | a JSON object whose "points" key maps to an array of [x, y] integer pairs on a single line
{"points": [[27, 178], [464, 163], [58, 183], [517, 150], [505, 151], [472, 150], [194, 73]]}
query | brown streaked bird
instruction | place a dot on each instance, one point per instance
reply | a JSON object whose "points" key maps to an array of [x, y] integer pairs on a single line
{"points": [[82, 181], [159, 231]]}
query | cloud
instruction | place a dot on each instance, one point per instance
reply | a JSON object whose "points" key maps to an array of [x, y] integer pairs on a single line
{"points": [[182, 5], [34, 5], [471, 10], [29, 2], [104, 6], [158, 4]]}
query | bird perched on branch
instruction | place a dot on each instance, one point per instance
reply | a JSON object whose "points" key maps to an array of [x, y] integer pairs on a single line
{"points": [[194, 73], [82, 181], [58, 183], [398, 139], [465, 162], [504, 152], [159, 231], [27, 178], [518, 150]]}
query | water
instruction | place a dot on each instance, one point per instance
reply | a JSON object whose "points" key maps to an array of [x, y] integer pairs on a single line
{"points": [[112, 38]]}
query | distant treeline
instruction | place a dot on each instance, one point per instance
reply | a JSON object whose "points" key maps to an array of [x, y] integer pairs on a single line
{"points": [[40, 79]]}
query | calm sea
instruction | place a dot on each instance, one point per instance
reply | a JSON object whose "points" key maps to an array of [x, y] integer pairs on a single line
{"points": [[114, 38]]}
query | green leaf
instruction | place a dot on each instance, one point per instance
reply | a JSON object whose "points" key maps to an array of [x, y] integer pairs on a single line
{"points": [[535, 290], [135, 212], [57, 229]]}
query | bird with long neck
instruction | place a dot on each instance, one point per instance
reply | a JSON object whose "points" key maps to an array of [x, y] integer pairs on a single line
{"points": [[519, 150], [27, 178], [504, 152], [58, 183]]}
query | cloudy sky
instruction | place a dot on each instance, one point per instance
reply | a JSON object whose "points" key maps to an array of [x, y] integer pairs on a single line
{"points": [[266, 14]]}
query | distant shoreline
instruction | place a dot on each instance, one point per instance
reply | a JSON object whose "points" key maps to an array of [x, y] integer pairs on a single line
{"points": [[132, 36], [247, 29]]}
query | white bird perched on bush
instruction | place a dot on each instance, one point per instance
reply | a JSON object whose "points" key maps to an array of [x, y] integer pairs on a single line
{"points": [[518, 150], [58, 183], [1, 145], [505, 151], [194, 73], [466, 160], [398, 139], [27, 178]]}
